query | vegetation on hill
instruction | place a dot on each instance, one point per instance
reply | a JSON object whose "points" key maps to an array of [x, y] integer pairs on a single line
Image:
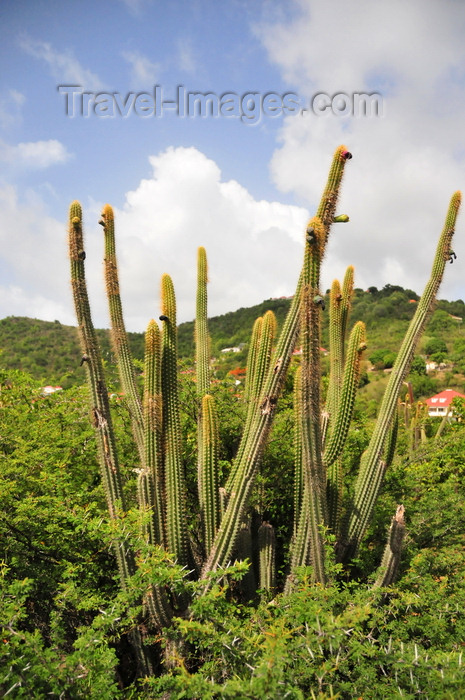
{"points": [[49, 351]]}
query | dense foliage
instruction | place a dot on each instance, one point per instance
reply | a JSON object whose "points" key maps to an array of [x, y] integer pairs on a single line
{"points": [[65, 621]]}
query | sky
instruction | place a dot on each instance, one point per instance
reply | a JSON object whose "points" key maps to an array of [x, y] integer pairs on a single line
{"points": [[84, 114]]}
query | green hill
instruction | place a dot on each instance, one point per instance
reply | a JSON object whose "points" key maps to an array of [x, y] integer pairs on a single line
{"points": [[49, 351]]}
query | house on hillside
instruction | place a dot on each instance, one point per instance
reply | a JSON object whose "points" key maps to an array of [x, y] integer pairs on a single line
{"points": [[441, 404]]}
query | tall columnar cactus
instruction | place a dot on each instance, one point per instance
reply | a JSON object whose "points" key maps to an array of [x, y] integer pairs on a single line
{"points": [[151, 476], [253, 442], [175, 490], [118, 334], [314, 509], [101, 415], [298, 456], [262, 338], [372, 468], [210, 496], [202, 340], [91, 358], [341, 422], [252, 358]]}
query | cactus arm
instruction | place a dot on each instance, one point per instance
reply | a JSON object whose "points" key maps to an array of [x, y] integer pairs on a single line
{"points": [[392, 553], [202, 364], [202, 340], [252, 357], [176, 530], [327, 208], [298, 449], [346, 401], [267, 553], [118, 334], [257, 436], [101, 417], [313, 470], [341, 425], [372, 468], [210, 497], [336, 352], [257, 378], [152, 473], [267, 337], [347, 291], [100, 405]]}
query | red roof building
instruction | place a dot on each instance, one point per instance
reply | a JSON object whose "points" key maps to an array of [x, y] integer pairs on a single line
{"points": [[440, 404]]}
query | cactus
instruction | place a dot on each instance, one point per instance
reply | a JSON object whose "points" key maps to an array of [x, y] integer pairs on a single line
{"points": [[253, 441], [209, 497], [176, 527], [372, 466], [267, 546], [152, 474], [101, 415], [202, 340], [320, 435], [118, 334], [391, 557]]}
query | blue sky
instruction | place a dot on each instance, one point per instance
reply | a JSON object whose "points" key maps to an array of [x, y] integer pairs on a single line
{"points": [[242, 190]]}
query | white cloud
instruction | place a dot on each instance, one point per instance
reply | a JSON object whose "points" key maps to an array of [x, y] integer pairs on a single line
{"points": [[407, 163], [11, 103], [33, 260], [253, 247], [16, 301], [64, 67], [144, 73], [34, 154]]}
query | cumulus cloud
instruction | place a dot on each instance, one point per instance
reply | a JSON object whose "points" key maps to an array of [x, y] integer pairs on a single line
{"points": [[406, 163], [63, 66], [253, 247], [34, 154]]}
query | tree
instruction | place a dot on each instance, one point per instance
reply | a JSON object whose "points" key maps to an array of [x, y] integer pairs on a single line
{"points": [[433, 345]]}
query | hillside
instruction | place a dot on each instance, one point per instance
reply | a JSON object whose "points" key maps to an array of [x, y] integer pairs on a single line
{"points": [[49, 351]]}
